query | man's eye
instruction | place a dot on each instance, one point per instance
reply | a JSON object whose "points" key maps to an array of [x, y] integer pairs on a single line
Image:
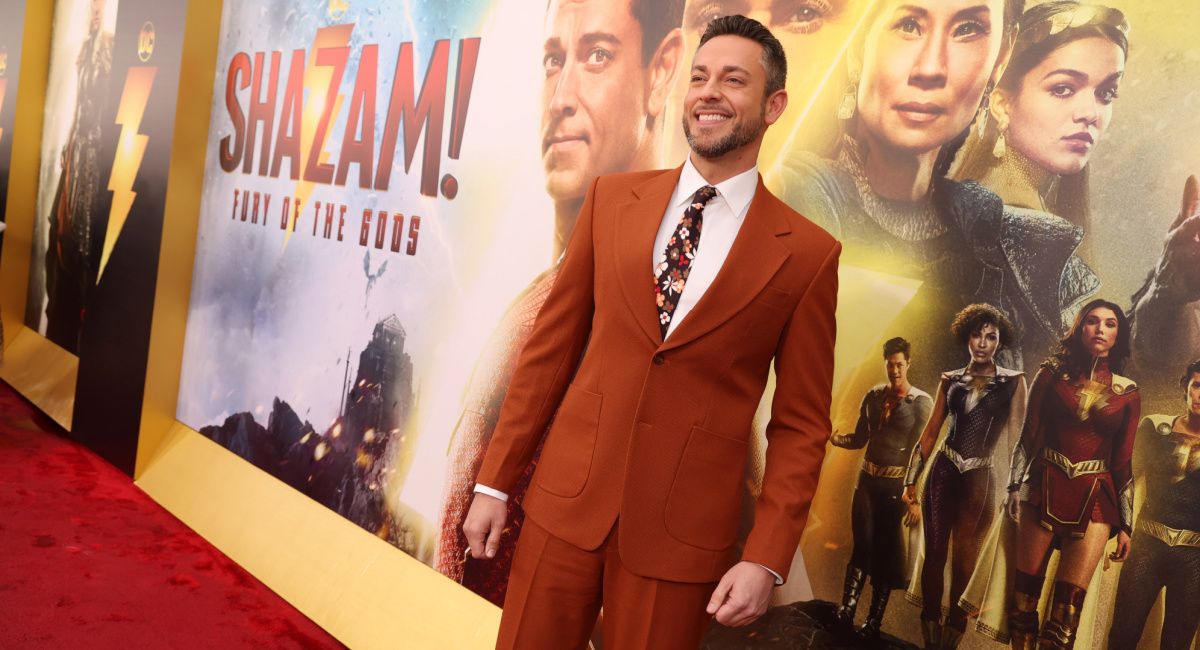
{"points": [[598, 56], [552, 62]]}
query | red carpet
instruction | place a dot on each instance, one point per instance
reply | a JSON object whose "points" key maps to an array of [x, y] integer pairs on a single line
{"points": [[89, 561]]}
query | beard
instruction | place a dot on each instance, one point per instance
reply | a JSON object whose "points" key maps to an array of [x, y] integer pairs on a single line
{"points": [[743, 133]]}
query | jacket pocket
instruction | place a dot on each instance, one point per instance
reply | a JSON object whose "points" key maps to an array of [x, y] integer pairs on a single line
{"points": [[705, 500], [567, 456]]}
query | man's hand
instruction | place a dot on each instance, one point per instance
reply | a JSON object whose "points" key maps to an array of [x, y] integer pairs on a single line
{"points": [[742, 595], [484, 523], [1013, 505]]}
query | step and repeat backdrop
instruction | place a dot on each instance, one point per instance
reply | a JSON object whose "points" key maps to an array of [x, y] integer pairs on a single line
{"points": [[389, 186]]}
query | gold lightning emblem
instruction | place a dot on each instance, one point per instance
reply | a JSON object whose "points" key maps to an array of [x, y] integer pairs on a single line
{"points": [[1092, 395], [131, 147]]}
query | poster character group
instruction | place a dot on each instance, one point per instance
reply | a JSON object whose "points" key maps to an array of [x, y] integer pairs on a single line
{"points": [[388, 192]]}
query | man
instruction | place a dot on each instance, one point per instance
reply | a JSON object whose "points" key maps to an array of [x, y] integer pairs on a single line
{"points": [[609, 68], [812, 31], [890, 421], [1165, 551], [682, 285]]}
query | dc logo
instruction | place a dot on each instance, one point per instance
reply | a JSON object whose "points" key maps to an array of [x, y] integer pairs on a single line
{"points": [[146, 42]]}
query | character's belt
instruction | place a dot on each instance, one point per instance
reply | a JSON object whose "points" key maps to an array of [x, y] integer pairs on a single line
{"points": [[1072, 469], [965, 465], [882, 471], [1167, 535]]}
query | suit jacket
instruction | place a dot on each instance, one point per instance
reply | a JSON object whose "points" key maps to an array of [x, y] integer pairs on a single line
{"points": [[654, 434]]}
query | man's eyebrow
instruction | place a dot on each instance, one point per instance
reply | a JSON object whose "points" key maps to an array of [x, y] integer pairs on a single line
{"points": [[553, 43], [726, 69], [592, 38]]}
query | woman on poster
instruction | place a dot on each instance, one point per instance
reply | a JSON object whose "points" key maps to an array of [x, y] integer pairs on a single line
{"points": [[983, 403], [1071, 484], [1050, 110]]}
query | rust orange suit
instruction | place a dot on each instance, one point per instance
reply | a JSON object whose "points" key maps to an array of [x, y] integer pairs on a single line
{"points": [[648, 447]]}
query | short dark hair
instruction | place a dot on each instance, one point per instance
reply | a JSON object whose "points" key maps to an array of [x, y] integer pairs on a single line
{"points": [[972, 318], [773, 59], [1192, 370], [892, 346], [657, 18]]}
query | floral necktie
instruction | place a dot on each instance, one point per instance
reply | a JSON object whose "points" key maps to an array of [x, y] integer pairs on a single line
{"points": [[675, 263]]}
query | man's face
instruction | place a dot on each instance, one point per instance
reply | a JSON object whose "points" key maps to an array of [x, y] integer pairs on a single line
{"points": [[812, 33], [593, 99], [725, 106], [1193, 394], [896, 365]]}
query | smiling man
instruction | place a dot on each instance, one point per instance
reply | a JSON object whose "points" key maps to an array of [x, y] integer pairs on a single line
{"points": [[677, 290]]}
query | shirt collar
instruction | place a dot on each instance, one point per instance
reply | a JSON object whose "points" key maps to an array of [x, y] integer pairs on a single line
{"points": [[737, 191]]}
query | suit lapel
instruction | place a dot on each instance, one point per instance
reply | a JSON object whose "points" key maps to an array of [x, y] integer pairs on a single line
{"points": [[637, 225], [753, 260]]}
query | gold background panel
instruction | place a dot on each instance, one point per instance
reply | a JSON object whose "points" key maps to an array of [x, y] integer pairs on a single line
{"points": [[356, 586], [41, 371]]}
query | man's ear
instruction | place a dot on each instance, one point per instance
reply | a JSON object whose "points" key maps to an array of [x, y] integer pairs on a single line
{"points": [[663, 70], [776, 102]]}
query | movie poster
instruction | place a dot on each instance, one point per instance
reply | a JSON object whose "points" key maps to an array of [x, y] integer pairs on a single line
{"points": [[10, 69], [389, 188], [72, 192]]}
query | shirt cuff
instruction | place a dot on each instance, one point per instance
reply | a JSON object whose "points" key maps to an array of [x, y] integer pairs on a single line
{"points": [[504, 497], [778, 578]]}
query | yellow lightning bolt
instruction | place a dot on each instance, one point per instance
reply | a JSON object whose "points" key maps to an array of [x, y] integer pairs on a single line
{"points": [[131, 147], [316, 83]]}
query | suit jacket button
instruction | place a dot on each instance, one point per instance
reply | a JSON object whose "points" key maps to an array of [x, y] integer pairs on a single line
{"points": [[659, 359]]}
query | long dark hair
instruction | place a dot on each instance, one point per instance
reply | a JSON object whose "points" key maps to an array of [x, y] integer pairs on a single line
{"points": [[1035, 41], [1073, 357]]}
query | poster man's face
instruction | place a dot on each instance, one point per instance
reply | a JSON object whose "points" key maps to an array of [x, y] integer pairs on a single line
{"points": [[896, 365], [1193, 394], [924, 69], [593, 99], [1065, 103]]}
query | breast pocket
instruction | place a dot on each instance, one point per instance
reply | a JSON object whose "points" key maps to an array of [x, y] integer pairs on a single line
{"points": [[567, 457], [705, 500]]}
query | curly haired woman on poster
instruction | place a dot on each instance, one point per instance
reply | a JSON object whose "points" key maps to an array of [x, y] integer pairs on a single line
{"points": [[983, 402]]}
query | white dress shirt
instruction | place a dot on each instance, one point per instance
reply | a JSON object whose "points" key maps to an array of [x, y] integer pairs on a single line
{"points": [[723, 217]]}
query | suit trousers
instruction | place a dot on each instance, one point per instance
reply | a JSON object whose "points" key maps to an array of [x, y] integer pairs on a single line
{"points": [[556, 591]]}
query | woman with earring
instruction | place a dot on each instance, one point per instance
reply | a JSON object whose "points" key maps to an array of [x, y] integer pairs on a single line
{"points": [[982, 401], [1071, 484], [1051, 108], [918, 77]]}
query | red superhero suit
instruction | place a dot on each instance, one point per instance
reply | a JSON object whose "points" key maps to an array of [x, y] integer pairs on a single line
{"points": [[1074, 462]]}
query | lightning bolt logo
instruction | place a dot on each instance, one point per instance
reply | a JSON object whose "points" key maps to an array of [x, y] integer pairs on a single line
{"points": [[131, 147], [316, 82]]}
